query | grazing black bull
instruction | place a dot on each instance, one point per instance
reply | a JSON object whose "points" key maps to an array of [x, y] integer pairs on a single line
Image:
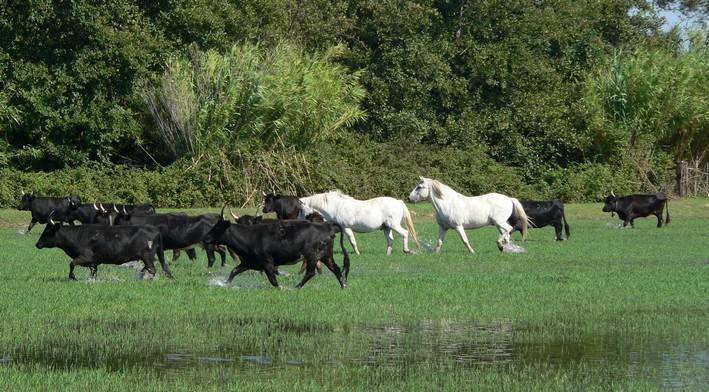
{"points": [[544, 213], [42, 207], [91, 245], [178, 231], [638, 205], [265, 246]]}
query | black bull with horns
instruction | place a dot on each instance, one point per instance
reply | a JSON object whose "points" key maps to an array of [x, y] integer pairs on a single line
{"points": [[91, 245], [42, 207], [638, 205], [265, 246]]}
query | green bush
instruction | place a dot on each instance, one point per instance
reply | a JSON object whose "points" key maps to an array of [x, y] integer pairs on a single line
{"points": [[356, 165]]}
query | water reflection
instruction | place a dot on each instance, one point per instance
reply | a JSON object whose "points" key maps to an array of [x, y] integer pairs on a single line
{"points": [[433, 344]]}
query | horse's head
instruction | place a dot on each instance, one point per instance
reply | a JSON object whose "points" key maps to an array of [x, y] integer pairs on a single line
{"points": [[422, 191]]}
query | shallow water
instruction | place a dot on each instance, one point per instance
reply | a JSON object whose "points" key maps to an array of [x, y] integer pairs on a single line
{"points": [[439, 345]]}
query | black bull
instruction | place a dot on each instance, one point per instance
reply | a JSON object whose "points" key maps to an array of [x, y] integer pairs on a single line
{"points": [[265, 246], [178, 231], [91, 245], [285, 207], [638, 205], [104, 213], [544, 213], [42, 207]]}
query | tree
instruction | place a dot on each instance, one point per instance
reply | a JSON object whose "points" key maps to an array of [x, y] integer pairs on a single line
{"points": [[70, 77], [649, 102]]}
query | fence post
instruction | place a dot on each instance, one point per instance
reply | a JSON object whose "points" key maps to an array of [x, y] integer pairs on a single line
{"points": [[681, 179]]}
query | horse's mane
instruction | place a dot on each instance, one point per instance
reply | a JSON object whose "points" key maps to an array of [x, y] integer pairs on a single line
{"points": [[439, 189]]}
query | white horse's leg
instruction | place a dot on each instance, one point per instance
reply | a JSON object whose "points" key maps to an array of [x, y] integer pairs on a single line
{"points": [[505, 229], [390, 239], [351, 238], [464, 237], [405, 235], [441, 236]]}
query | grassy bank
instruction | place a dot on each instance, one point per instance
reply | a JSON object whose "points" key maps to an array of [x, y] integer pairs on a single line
{"points": [[609, 309]]}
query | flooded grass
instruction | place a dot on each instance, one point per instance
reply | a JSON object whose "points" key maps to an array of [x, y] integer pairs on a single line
{"points": [[607, 309]]}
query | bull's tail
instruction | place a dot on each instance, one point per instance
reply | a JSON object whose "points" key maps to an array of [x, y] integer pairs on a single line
{"points": [[667, 211], [519, 210], [410, 224], [566, 225], [346, 258]]}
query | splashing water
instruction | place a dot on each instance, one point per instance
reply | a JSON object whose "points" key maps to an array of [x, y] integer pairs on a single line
{"points": [[217, 281], [513, 248]]}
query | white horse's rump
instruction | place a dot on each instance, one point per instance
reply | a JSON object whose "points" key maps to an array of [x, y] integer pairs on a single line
{"points": [[460, 212], [363, 216]]}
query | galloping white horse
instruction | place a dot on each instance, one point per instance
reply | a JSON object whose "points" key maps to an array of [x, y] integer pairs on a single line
{"points": [[363, 216], [460, 212]]}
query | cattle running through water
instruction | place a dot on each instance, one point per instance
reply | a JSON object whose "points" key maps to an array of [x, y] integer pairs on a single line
{"points": [[460, 212], [265, 246], [91, 245]]}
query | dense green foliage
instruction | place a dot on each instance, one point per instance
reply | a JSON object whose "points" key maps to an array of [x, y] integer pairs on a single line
{"points": [[609, 309], [648, 99], [250, 99], [251, 93]]}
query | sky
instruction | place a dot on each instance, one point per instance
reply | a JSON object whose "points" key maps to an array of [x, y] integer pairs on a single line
{"points": [[675, 17]]}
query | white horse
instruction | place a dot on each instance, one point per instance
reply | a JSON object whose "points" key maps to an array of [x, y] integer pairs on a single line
{"points": [[460, 212], [363, 216]]}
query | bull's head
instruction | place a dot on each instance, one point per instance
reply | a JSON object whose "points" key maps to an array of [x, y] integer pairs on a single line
{"points": [[74, 200], [48, 238], [609, 204], [216, 233], [269, 203], [26, 201]]}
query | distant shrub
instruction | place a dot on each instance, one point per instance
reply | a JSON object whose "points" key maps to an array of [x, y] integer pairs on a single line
{"points": [[356, 165]]}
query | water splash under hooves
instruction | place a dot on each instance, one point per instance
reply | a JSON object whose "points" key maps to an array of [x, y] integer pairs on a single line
{"points": [[513, 248]]}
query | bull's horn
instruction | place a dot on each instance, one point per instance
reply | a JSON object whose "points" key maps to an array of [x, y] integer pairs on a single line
{"points": [[50, 220], [102, 209], [95, 206], [612, 194], [221, 214], [124, 211], [23, 192], [233, 215], [263, 193], [116, 208]]}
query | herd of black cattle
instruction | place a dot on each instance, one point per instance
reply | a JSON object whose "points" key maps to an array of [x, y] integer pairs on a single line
{"points": [[113, 233]]}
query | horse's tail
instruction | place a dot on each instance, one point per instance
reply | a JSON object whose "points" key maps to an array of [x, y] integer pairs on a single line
{"points": [[410, 224], [667, 211], [519, 211]]}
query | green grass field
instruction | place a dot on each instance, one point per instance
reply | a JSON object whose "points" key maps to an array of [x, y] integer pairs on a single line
{"points": [[609, 309]]}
